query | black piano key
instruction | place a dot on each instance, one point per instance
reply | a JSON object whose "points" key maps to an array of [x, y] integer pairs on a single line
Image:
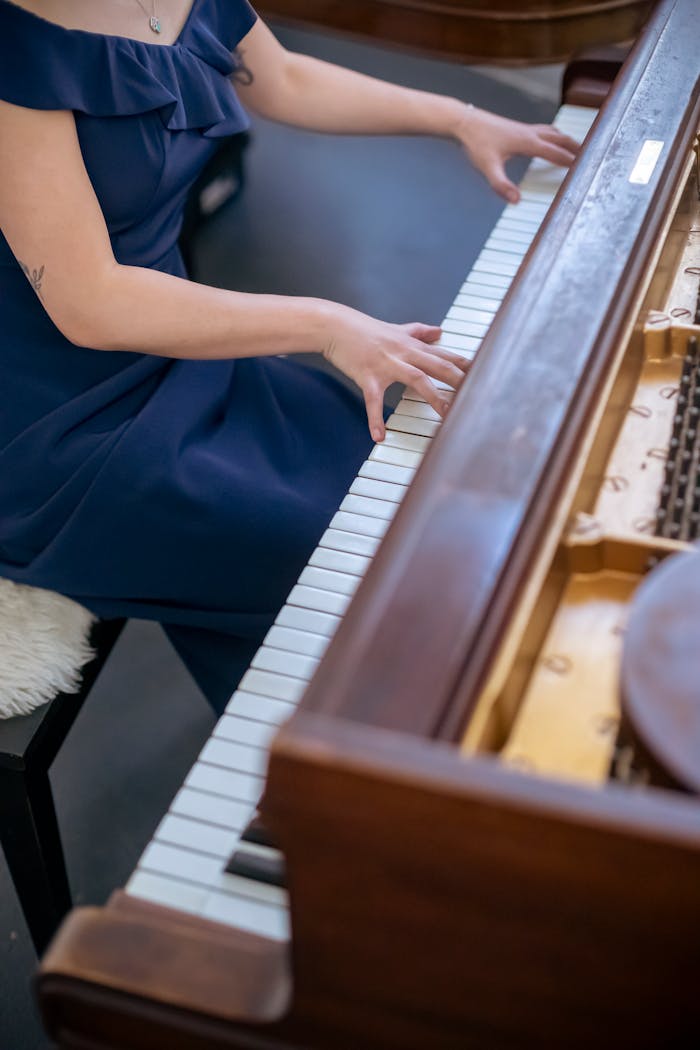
{"points": [[257, 833], [260, 867]]}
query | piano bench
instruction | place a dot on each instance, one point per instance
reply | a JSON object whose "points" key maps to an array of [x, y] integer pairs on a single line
{"points": [[29, 832]]}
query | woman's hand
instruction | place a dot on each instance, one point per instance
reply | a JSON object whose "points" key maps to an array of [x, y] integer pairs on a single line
{"points": [[376, 354], [491, 140]]}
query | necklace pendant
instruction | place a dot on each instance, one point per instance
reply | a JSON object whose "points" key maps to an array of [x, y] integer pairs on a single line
{"points": [[154, 23]]}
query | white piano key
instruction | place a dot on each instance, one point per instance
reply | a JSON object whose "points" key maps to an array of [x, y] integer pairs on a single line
{"points": [[231, 783], [461, 327], [318, 600], [342, 561], [467, 345], [193, 834], [247, 915], [206, 872], [413, 424], [526, 211], [377, 489], [387, 472], [329, 580], [535, 199], [525, 227], [282, 662], [512, 233], [486, 263], [469, 313], [499, 243], [245, 730], [401, 457], [238, 886], [411, 397], [498, 282], [372, 508], [161, 858], [259, 708], [352, 542], [236, 756], [274, 685], [495, 255], [294, 641], [410, 442], [310, 620], [413, 406], [475, 300], [211, 809], [169, 892]]}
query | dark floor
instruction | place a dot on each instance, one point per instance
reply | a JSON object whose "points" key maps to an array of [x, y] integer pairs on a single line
{"points": [[388, 226]]}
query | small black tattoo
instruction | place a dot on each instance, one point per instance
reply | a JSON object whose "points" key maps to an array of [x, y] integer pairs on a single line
{"points": [[241, 74], [35, 277]]}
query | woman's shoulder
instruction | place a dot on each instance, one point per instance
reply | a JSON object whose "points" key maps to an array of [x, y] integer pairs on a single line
{"points": [[45, 65]]}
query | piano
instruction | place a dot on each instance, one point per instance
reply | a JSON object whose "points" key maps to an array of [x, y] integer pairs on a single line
{"points": [[508, 32], [436, 834]]}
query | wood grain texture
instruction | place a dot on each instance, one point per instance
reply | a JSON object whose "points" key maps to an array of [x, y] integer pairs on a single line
{"points": [[482, 908], [501, 31]]}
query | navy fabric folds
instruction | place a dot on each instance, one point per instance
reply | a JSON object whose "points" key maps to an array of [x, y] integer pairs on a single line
{"points": [[45, 66], [186, 491]]}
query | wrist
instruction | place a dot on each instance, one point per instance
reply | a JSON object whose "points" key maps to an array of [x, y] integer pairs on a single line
{"points": [[321, 322], [462, 119]]}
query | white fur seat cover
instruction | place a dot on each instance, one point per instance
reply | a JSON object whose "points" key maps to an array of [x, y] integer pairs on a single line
{"points": [[43, 645]]}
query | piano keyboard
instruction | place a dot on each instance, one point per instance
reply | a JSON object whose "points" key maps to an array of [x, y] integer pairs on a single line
{"points": [[184, 866]]}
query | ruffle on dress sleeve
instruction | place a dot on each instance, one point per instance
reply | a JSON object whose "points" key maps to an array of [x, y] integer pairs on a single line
{"points": [[46, 66]]}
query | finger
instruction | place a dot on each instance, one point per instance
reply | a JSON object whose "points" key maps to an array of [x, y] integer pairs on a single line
{"points": [[418, 381], [554, 154], [427, 333], [462, 362], [374, 405], [559, 138], [438, 368], [495, 172]]}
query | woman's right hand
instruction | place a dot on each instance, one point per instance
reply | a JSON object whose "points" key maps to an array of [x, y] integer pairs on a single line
{"points": [[375, 354]]}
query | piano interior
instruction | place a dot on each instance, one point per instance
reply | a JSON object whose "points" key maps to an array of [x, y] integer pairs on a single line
{"points": [[552, 704]]}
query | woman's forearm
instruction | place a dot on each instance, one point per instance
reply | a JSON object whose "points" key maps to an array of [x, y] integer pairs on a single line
{"points": [[146, 311], [307, 93], [324, 97]]}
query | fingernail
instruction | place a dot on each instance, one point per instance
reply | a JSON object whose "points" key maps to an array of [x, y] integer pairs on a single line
{"points": [[377, 434], [513, 196]]}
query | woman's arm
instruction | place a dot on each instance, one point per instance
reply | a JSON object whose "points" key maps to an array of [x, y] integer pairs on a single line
{"points": [[54, 224], [308, 93]]}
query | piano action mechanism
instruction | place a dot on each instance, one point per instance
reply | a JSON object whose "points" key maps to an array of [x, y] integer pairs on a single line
{"points": [[475, 859]]}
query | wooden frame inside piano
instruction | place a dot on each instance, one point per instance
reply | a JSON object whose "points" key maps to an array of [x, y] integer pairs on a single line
{"points": [[442, 899]]}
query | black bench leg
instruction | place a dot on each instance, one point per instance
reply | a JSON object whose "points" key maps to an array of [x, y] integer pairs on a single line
{"points": [[32, 845]]}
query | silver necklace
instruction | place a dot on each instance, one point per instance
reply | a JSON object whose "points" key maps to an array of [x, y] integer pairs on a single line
{"points": [[153, 20]]}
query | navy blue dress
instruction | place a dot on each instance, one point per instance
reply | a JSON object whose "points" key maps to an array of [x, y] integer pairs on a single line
{"points": [[188, 492]]}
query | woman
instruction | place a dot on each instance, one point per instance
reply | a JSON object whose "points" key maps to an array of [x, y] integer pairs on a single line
{"points": [[157, 458]]}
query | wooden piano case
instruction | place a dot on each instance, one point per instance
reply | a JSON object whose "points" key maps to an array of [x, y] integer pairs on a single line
{"points": [[507, 32], [464, 870]]}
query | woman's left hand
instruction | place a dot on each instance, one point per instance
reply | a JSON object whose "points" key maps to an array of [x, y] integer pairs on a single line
{"points": [[490, 141]]}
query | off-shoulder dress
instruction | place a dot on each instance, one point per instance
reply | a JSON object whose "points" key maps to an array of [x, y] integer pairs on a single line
{"points": [[190, 492]]}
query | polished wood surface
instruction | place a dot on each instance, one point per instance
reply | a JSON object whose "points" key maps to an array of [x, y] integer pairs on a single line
{"points": [[439, 900], [501, 31]]}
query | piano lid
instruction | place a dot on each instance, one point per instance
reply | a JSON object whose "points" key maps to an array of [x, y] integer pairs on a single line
{"points": [[499, 31]]}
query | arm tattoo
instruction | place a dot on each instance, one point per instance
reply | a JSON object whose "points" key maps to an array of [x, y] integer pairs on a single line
{"points": [[35, 277], [241, 74]]}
